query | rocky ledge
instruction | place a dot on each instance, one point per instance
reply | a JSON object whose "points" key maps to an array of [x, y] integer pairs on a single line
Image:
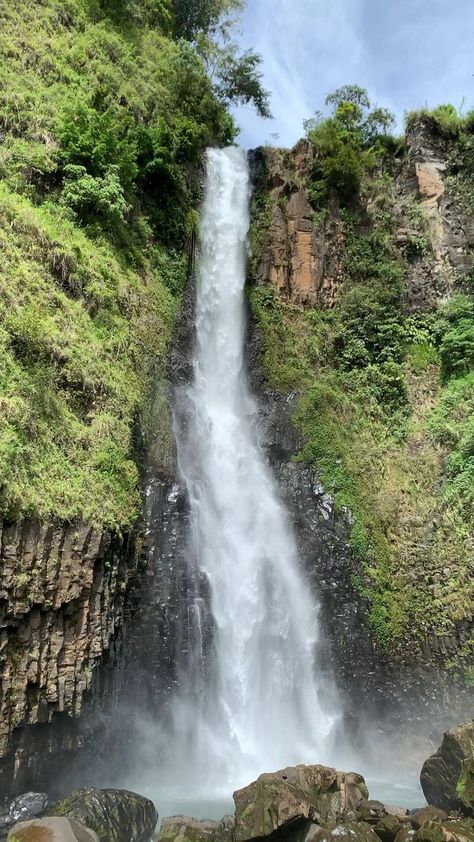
{"points": [[321, 804]]}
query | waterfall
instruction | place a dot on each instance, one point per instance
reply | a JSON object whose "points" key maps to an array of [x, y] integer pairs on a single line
{"points": [[249, 698]]}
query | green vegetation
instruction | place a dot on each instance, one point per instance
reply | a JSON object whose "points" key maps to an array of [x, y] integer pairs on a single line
{"points": [[105, 110], [348, 145], [386, 398]]}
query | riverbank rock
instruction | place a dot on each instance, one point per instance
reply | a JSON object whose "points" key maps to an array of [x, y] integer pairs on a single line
{"points": [[27, 806], [447, 777], [281, 799], [116, 815], [51, 829], [187, 829]]}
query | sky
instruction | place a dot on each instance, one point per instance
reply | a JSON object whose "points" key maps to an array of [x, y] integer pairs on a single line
{"points": [[407, 53]]}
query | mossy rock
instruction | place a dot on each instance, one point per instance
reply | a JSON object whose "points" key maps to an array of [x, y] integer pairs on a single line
{"points": [[447, 831], [116, 815], [295, 795], [447, 777]]}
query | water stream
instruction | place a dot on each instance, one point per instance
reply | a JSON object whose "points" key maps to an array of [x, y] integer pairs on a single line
{"points": [[249, 697]]}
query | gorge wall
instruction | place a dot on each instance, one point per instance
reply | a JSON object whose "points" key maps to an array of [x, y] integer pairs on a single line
{"points": [[95, 335], [301, 281]]}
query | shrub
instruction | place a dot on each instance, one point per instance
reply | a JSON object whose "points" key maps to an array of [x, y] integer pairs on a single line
{"points": [[92, 198]]}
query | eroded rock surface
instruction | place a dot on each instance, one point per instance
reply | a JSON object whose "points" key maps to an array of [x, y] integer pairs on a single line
{"points": [[280, 799], [62, 591], [447, 777], [187, 829], [116, 815], [51, 829]]}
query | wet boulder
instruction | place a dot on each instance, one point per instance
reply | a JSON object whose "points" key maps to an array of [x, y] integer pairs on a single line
{"points": [[51, 829], [447, 777], [187, 829], [27, 806], [295, 796], [116, 815]]}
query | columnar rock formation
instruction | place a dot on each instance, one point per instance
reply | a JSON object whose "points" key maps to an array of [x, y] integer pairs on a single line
{"points": [[63, 588]]}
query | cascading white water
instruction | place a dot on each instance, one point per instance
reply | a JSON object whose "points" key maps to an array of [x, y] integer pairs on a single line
{"points": [[257, 708]]}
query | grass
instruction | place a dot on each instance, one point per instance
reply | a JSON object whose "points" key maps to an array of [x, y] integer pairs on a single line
{"points": [[82, 334]]}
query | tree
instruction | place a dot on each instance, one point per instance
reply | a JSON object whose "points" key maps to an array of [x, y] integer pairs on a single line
{"points": [[236, 76], [209, 17], [347, 144]]}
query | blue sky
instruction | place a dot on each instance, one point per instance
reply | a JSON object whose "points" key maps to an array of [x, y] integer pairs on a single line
{"points": [[407, 53]]}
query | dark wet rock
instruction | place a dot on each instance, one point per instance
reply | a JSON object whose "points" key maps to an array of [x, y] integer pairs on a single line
{"points": [[187, 829], [295, 795], [26, 806], [52, 829], [447, 777], [116, 815]]}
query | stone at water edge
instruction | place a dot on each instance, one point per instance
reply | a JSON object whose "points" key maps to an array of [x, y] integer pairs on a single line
{"points": [[116, 815], [51, 829], [27, 806], [447, 777], [187, 829], [295, 795]]}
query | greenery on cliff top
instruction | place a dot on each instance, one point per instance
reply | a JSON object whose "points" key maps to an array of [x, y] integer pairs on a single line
{"points": [[386, 397], [105, 109]]}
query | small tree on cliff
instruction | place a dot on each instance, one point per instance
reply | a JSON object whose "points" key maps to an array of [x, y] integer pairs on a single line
{"points": [[347, 143]]}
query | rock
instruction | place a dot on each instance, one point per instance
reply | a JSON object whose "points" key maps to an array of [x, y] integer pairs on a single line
{"points": [[426, 814], [447, 831], [116, 815], [298, 793], [406, 834], [187, 829], [388, 827], [371, 811], [395, 810], [447, 777], [347, 832], [26, 806], [51, 829]]}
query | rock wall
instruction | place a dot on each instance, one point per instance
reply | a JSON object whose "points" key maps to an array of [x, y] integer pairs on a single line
{"points": [[302, 256], [62, 597]]}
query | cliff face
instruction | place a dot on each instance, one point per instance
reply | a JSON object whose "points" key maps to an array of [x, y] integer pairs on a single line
{"points": [[303, 259], [406, 557], [63, 589]]}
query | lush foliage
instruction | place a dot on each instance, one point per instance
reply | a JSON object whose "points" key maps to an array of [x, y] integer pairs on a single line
{"points": [[386, 398], [348, 144], [105, 109]]}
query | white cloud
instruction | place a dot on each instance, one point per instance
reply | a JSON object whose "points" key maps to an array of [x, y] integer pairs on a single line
{"points": [[405, 53]]}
